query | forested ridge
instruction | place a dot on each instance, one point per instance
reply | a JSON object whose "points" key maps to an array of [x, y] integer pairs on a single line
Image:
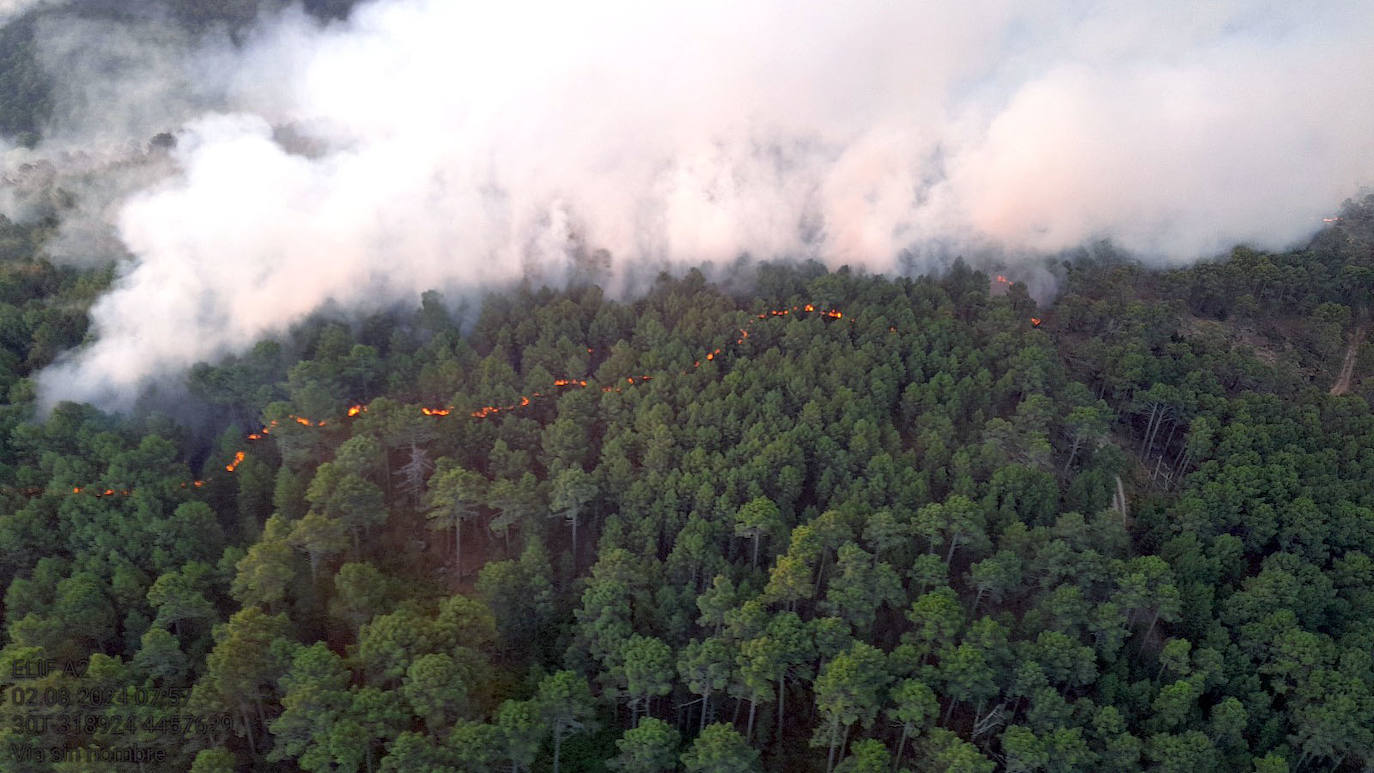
{"points": [[924, 534]]}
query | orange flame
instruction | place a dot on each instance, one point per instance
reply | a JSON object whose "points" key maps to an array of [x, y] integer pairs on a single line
{"points": [[354, 410], [76, 490], [301, 421], [437, 411], [238, 459], [1035, 321]]}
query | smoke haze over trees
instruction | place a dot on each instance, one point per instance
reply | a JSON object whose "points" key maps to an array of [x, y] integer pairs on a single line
{"points": [[357, 156]]}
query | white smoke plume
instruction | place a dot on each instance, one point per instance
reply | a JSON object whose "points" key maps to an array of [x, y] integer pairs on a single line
{"points": [[425, 143], [10, 9]]}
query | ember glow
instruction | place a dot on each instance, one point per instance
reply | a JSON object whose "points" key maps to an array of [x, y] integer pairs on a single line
{"points": [[523, 402]]}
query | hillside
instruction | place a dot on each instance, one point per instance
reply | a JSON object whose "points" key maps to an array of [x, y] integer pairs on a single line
{"points": [[818, 520]]}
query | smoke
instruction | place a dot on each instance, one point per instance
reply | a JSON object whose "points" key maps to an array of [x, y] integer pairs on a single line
{"points": [[426, 143], [10, 9]]}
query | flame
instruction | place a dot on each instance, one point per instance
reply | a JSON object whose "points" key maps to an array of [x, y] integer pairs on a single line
{"points": [[1331, 220], [524, 401], [1035, 321], [1002, 280]]}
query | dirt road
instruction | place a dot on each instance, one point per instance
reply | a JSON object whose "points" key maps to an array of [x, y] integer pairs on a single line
{"points": [[1342, 384]]}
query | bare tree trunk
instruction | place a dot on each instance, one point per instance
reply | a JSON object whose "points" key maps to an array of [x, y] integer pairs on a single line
{"points": [[1173, 427], [574, 540], [1146, 638], [248, 728], [1151, 441], [1073, 452], [953, 543], [1154, 411]]}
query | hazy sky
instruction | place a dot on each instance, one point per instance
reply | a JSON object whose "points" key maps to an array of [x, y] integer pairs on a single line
{"points": [[464, 145]]}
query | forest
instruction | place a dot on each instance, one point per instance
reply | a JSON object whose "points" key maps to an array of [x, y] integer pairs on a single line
{"points": [[803, 521]]}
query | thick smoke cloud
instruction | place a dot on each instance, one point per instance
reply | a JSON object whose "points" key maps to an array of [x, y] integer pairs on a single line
{"points": [[428, 143]]}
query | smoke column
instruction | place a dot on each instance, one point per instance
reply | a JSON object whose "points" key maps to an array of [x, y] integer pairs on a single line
{"points": [[425, 143]]}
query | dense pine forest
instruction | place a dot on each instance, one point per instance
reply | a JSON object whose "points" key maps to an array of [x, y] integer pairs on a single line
{"points": [[803, 521]]}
